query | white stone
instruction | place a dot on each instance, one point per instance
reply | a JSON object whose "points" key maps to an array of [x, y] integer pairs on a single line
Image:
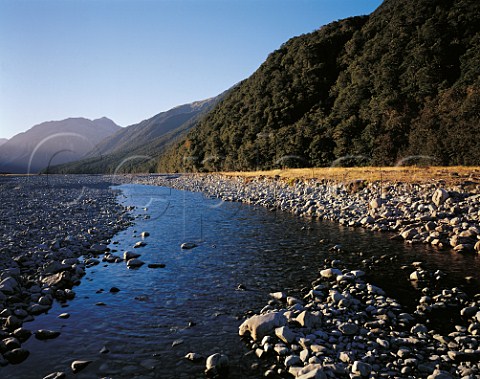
{"points": [[260, 325]]}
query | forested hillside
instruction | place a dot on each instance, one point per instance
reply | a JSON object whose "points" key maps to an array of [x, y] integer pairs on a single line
{"points": [[402, 82]]}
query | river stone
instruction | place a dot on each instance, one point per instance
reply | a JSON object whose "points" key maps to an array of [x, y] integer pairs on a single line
{"points": [[361, 368], [61, 279], [278, 295], [135, 263], [312, 371], [98, 248], [44, 334], [260, 325], [469, 311], [16, 356], [194, 357], [293, 360], [376, 203], [55, 375], [22, 334], [55, 267], [188, 245], [477, 247], [78, 366], [127, 255], [217, 365], [156, 265], [440, 374], [9, 343], [13, 323], [285, 334], [440, 196], [309, 320], [139, 244], [8, 285], [348, 328], [330, 273]]}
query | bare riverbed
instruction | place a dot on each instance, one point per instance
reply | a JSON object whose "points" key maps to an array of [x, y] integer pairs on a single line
{"points": [[142, 322]]}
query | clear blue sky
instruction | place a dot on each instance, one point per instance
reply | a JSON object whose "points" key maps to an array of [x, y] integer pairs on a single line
{"points": [[131, 59]]}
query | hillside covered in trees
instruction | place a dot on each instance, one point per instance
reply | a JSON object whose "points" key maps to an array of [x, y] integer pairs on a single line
{"points": [[404, 81]]}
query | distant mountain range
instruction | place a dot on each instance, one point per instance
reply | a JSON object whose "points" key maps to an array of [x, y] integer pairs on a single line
{"points": [[3, 140], [53, 142], [137, 147]]}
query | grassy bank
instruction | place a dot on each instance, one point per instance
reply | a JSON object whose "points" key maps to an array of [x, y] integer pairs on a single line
{"points": [[407, 174]]}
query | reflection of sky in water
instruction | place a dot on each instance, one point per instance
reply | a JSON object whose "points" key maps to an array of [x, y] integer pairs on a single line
{"points": [[266, 251]]}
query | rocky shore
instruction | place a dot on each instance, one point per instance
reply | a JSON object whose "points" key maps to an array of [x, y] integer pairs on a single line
{"points": [[55, 227], [51, 228], [344, 326], [447, 218], [347, 327]]}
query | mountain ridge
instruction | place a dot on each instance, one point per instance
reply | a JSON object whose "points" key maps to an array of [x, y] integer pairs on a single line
{"points": [[137, 146], [53, 142]]}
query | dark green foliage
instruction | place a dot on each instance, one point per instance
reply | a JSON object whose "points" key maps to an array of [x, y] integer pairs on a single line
{"points": [[402, 81]]}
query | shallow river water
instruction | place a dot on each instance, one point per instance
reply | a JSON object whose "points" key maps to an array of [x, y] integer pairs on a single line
{"points": [[194, 304]]}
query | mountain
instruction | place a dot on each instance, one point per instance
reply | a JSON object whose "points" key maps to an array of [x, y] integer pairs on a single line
{"points": [[53, 142], [137, 147], [3, 140], [399, 85]]}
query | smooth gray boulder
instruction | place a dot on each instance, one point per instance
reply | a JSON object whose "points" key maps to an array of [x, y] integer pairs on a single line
{"points": [[261, 325]]}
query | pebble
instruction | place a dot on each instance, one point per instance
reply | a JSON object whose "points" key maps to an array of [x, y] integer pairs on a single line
{"points": [[78, 366]]}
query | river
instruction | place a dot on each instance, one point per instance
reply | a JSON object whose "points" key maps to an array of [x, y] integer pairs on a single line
{"points": [[194, 303]]}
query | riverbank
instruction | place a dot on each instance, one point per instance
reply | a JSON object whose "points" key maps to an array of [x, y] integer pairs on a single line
{"points": [[447, 217], [344, 326], [51, 229]]}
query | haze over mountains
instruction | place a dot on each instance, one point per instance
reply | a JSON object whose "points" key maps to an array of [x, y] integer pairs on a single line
{"points": [[138, 147], [53, 142]]}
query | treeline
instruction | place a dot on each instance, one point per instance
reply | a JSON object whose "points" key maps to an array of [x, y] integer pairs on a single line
{"points": [[404, 81]]}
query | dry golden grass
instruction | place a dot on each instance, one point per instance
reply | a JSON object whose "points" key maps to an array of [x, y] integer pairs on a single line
{"points": [[405, 174]]}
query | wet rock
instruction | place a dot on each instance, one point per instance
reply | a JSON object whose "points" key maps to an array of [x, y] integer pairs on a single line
{"points": [[188, 245], [217, 365], [135, 263], [98, 248], [194, 357], [44, 334], [55, 375], [22, 334], [79, 365], [16, 356], [8, 344], [127, 255], [156, 265]]}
